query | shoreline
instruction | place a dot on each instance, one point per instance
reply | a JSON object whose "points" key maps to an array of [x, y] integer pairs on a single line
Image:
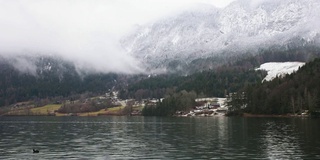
{"points": [[245, 115], [272, 115]]}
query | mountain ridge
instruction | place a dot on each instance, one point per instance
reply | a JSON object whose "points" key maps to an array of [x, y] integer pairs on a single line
{"points": [[233, 30]]}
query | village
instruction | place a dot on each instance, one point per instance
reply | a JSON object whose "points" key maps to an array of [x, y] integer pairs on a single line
{"points": [[109, 104], [205, 106]]}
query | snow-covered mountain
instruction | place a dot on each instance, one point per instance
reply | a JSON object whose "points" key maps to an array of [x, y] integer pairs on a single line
{"points": [[205, 31], [279, 69]]}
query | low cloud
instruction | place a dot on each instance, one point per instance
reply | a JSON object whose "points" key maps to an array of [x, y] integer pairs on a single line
{"points": [[77, 32], [85, 32], [22, 65]]}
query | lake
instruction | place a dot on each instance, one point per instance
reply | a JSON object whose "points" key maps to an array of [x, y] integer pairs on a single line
{"points": [[159, 138]]}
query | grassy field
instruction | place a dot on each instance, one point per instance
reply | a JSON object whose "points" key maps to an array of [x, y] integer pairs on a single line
{"points": [[25, 111], [139, 108], [109, 111], [115, 109], [45, 110], [102, 111], [49, 110], [18, 112]]}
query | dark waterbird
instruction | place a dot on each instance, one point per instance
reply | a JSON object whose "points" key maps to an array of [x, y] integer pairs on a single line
{"points": [[35, 151]]}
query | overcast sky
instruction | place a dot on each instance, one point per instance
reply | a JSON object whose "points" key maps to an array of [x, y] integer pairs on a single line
{"points": [[85, 31]]}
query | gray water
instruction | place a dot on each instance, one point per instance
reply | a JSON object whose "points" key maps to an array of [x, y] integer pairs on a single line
{"points": [[159, 138]]}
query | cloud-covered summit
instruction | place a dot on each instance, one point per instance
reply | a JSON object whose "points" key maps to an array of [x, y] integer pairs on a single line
{"points": [[76, 31], [84, 32]]}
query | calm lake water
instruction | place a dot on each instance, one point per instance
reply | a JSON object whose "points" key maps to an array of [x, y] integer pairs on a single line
{"points": [[159, 138]]}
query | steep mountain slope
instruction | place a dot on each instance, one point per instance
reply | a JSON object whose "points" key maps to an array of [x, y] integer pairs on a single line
{"points": [[243, 26]]}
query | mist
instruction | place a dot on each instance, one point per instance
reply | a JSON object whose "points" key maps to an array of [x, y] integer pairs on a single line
{"points": [[84, 32], [77, 32]]}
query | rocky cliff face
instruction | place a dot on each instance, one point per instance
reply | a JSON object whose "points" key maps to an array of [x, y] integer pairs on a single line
{"points": [[243, 26]]}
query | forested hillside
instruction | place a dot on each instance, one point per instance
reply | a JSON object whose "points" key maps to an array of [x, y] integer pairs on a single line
{"points": [[207, 83], [55, 78], [227, 77], [292, 94], [60, 79]]}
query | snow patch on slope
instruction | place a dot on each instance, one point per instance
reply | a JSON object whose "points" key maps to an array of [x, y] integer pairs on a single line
{"points": [[275, 69]]}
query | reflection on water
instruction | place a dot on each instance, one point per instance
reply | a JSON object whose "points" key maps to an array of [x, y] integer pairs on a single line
{"points": [[281, 141], [158, 138]]}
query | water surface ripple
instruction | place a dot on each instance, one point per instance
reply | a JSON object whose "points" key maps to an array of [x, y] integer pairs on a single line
{"points": [[159, 138]]}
